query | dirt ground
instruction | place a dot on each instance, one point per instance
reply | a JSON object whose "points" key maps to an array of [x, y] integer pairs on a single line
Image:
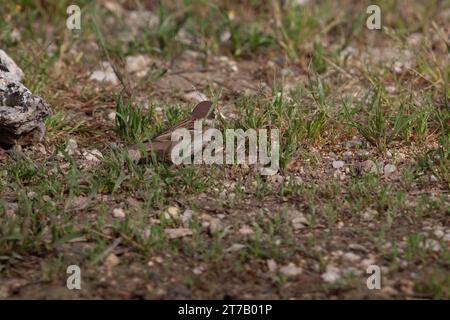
{"points": [[364, 157]]}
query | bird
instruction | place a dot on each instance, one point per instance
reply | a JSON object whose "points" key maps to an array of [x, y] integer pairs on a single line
{"points": [[162, 144]]}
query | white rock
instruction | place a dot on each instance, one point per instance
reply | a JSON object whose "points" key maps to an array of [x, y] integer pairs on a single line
{"points": [[137, 65], [272, 265], [365, 263], [331, 275], [369, 214], [172, 213], [178, 233], [438, 233], [447, 237], [337, 164], [195, 96], [291, 270], [13, 70], [93, 156], [105, 74], [299, 221], [225, 36], [369, 166], [214, 225], [186, 217], [351, 257], [112, 116], [389, 169], [433, 245], [72, 147], [119, 213], [197, 270], [246, 230], [111, 261]]}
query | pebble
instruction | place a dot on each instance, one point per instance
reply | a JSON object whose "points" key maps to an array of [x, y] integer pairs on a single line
{"points": [[246, 230], [172, 213], [119, 213], [111, 261], [299, 222], [72, 147], [347, 155], [195, 96], [272, 265], [338, 164], [214, 225], [112, 116], [93, 156], [389, 169], [351, 257], [291, 270], [369, 214], [369, 166], [137, 65], [186, 217], [105, 74], [331, 276], [177, 233]]}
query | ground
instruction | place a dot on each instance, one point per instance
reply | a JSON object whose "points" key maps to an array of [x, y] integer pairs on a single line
{"points": [[364, 162]]}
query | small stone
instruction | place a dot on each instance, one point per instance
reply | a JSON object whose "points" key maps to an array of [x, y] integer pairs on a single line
{"points": [[365, 263], [369, 214], [172, 213], [197, 270], [338, 164], [389, 169], [214, 226], [246, 230], [291, 270], [331, 275], [300, 221], [80, 202], [433, 245], [195, 96], [72, 147], [369, 166], [225, 36], [111, 261], [10, 66], [186, 217], [447, 237], [119, 213], [137, 65], [93, 156], [178, 233], [272, 265], [438, 233], [347, 155], [351, 257], [112, 116], [433, 178], [105, 74]]}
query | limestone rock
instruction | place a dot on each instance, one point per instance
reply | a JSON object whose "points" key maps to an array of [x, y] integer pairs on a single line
{"points": [[21, 112]]}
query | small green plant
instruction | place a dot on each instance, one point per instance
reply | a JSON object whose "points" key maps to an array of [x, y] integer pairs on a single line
{"points": [[131, 121], [378, 125]]}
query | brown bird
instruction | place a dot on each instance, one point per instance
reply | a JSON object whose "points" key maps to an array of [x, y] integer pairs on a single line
{"points": [[162, 145]]}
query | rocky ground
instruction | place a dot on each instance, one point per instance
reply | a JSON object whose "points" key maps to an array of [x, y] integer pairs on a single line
{"points": [[365, 150]]}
